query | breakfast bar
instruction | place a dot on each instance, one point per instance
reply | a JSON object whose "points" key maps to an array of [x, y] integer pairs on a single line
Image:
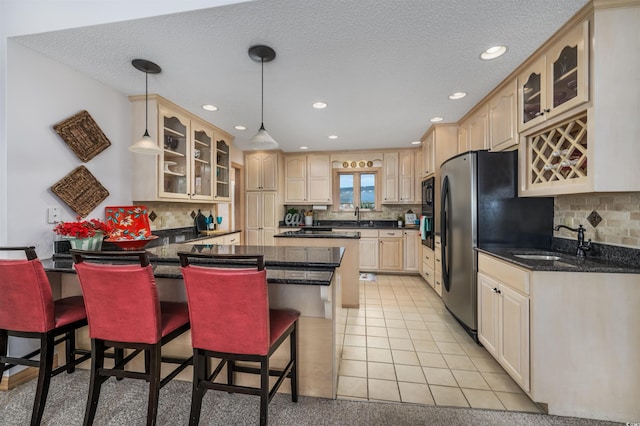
{"points": [[303, 278]]}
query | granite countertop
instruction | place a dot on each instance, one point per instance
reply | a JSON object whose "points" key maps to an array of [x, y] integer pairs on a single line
{"points": [[568, 262], [285, 265], [351, 224], [318, 233]]}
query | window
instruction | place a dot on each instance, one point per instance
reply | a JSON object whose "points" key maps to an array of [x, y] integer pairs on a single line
{"points": [[356, 189]]}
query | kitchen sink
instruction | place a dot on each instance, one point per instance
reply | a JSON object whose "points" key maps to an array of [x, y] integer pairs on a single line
{"points": [[537, 256]]}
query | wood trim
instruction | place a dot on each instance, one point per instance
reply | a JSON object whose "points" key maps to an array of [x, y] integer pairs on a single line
{"points": [[610, 4], [9, 382], [239, 206]]}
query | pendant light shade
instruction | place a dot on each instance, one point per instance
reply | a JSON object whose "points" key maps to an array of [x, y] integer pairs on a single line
{"points": [[146, 145], [262, 140]]}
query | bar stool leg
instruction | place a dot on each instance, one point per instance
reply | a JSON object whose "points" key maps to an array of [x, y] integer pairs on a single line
{"points": [[118, 356], [70, 348], [154, 383], [200, 374], [264, 390], [293, 340], [231, 365], [4, 339], [44, 377], [97, 362]]}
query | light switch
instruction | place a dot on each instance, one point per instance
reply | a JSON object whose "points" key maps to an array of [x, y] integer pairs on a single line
{"points": [[53, 215]]}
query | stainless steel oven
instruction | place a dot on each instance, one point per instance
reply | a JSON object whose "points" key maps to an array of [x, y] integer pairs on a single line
{"points": [[427, 218]]}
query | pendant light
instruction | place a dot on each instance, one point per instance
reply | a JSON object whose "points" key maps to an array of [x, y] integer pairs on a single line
{"points": [[262, 140], [146, 145]]}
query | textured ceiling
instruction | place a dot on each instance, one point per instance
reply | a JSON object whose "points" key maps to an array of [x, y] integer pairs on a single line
{"points": [[384, 67]]}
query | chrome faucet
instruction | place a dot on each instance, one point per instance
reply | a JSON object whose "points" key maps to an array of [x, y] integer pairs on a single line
{"points": [[582, 248], [357, 215]]}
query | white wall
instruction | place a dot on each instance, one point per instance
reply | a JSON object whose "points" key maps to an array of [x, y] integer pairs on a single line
{"points": [[41, 93]]}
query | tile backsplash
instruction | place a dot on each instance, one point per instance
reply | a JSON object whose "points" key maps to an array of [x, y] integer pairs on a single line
{"points": [[620, 214], [387, 212], [175, 215]]}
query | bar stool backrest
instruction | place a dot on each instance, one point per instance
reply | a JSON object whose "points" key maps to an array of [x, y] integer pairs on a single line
{"points": [[26, 301], [228, 308], [121, 299]]}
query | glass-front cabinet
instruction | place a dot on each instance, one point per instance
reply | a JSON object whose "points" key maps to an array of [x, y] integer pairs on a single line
{"points": [[194, 163], [222, 171], [557, 81]]}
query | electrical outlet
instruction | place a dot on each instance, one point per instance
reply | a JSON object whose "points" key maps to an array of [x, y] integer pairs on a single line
{"points": [[53, 215]]}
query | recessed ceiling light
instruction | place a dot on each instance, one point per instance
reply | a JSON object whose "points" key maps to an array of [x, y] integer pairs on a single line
{"points": [[210, 107], [320, 105], [304, 147], [436, 119], [458, 95], [416, 143], [333, 137], [493, 52], [238, 127]]}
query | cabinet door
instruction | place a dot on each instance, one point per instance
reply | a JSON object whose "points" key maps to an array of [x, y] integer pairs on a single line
{"points": [[478, 129], [502, 119], [567, 70], [269, 171], [411, 251], [463, 137], [175, 164], [532, 95], [369, 254], [488, 313], [202, 159], [406, 177], [391, 254], [390, 177], [223, 166], [253, 165], [428, 156], [295, 169], [514, 332], [254, 211], [319, 178]]}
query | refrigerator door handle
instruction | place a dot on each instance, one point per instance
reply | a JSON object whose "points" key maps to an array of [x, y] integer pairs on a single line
{"points": [[445, 207]]}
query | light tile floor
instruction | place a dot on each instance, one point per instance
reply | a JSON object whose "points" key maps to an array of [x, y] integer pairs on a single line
{"points": [[403, 345]]}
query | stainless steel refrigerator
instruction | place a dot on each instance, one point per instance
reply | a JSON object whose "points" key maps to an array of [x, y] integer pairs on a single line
{"points": [[480, 208]]}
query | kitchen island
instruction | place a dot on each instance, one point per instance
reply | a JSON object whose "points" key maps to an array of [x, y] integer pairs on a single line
{"points": [[348, 272], [301, 278]]}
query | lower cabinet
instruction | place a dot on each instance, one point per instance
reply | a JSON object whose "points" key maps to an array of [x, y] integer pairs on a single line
{"points": [[391, 253], [369, 251], [389, 250], [411, 247], [503, 316]]}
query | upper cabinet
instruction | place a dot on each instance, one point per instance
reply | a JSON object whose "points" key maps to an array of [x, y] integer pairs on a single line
{"points": [[503, 132], [308, 179], [190, 167], [473, 131], [557, 81], [428, 155], [399, 177], [261, 171]]}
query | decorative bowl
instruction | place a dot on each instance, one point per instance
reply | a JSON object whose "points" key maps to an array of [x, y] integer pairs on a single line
{"points": [[125, 244]]}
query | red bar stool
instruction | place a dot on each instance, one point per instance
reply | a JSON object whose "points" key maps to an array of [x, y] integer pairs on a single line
{"points": [[231, 321], [124, 312], [27, 309]]}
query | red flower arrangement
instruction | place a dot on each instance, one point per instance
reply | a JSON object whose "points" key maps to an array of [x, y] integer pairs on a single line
{"points": [[82, 228]]}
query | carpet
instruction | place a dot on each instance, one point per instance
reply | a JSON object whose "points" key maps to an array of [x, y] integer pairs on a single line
{"points": [[125, 403]]}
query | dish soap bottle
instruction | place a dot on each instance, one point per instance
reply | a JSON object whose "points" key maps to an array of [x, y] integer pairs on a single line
{"points": [[211, 224]]}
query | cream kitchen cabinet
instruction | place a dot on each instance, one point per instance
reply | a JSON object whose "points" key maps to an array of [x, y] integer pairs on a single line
{"points": [[369, 250], [503, 316], [427, 266], [428, 155], [437, 254], [399, 177], [411, 248], [391, 250], [189, 169], [473, 131], [390, 177], [223, 167], [232, 239], [557, 81], [503, 133], [261, 171], [262, 218], [307, 179]]}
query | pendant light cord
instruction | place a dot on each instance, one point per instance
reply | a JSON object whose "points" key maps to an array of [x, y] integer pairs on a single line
{"points": [[262, 94], [146, 103]]}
